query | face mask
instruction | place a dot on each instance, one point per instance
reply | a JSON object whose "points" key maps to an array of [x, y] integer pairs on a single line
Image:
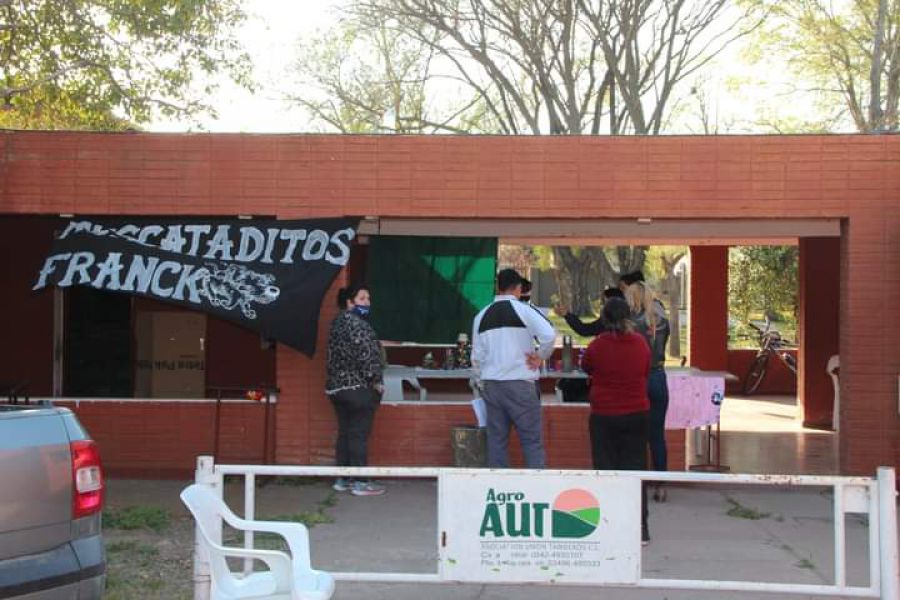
{"points": [[362, 311]]}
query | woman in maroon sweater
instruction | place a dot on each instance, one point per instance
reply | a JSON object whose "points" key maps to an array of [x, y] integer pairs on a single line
{"points": [[618, 362]]}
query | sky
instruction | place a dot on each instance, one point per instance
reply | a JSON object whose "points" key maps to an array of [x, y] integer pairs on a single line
{"points": [[270, 36], [274, 28]]}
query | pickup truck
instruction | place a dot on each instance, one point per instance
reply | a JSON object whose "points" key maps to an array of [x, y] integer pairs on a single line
{"points": [[51, 498]]}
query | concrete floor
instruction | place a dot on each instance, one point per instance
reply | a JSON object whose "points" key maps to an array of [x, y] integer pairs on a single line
{"points": [[765, 434]]}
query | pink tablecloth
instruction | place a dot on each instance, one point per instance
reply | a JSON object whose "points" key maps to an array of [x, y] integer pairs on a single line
{"points": [[694, 400]]}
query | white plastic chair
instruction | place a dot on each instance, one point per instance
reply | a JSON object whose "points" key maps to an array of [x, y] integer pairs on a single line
{"points": [[833, 368], [288, 578]]}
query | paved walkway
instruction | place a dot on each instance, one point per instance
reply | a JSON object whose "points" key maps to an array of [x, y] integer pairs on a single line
{"points": [[702, 533], [765, 434]]}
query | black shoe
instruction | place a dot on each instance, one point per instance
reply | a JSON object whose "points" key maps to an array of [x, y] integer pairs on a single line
{"points": [[659, 493], [645, 536]]}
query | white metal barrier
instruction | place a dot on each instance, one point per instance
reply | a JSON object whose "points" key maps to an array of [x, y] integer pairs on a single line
{"points": [[875, 497]]}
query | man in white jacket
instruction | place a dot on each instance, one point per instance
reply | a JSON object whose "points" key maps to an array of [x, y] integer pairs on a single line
{"points": [[504, 356]]}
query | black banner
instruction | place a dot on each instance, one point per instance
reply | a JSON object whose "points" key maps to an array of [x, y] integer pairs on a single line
{"points": [[267, 275]]}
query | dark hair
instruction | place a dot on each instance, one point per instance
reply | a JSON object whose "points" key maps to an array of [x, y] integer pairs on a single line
{"points": [[632, 277], [613, 292], [616, 315], [508, 279], [349, 293]]}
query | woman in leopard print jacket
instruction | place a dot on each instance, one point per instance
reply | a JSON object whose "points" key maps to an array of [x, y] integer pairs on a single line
{"points": [[354, 384]]}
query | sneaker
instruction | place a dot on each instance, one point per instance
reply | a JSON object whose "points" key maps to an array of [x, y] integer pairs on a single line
{"points": [[367, 488], [645, 536], [659, 493], [342, 484]]}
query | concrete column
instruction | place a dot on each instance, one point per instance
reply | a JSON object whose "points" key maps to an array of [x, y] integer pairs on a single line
{"points": [[709, 308], [818, 332]]}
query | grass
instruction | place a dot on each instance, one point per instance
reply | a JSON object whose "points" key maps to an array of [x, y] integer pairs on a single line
{"points": [[310, 518], [739, 511], [152, 518], [133, 567]]}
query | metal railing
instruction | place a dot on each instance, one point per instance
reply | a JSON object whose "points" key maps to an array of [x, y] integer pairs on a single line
{"points": [[875, 497]]}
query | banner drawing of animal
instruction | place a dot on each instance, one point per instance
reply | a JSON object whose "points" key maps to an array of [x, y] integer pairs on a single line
{"points": [[234, 286]]}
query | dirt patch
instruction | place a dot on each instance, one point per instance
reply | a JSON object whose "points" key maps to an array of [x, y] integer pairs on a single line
{"points": [[149, 535]]}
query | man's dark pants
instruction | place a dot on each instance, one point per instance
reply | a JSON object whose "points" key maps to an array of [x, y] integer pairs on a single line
{"points": [[513, 403]]}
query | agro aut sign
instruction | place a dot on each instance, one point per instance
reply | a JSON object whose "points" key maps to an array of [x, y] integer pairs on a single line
{"points": [[518, 527], [269, 276]]}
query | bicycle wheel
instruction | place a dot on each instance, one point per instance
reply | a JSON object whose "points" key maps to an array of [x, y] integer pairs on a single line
{"points": [[757, 372]]}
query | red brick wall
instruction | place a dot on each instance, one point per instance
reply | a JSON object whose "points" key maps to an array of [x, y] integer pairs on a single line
{"points": [[163, 439], [820, 284], [778, 380], [854, 178]]}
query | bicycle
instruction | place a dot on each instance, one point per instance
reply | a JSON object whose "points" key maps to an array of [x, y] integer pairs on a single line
{"points": [[770, 342]]}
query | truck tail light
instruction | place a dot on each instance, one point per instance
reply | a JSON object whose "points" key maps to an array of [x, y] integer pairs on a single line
{"points": [[87, 479]]}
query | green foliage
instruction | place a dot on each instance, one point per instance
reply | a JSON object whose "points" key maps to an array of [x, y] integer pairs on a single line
{"points": [[739, 511], [762, 279], [109, 64], [367, 76], [154, 518], [830, 47]]}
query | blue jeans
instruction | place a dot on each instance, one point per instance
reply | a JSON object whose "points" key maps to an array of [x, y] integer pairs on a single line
{"points": [[658, 393]]}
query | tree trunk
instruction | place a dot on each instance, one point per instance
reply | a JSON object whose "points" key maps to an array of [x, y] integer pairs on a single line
{"points": [[671, 287], [876, 115], [573, 274]]}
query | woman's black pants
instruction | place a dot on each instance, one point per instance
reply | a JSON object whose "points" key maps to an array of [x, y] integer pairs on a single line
{"points": [[619, 443], [355, 411]]}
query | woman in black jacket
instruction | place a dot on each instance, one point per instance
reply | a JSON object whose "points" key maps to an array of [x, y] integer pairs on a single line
{"points": [[354, 384], [649, 317]]}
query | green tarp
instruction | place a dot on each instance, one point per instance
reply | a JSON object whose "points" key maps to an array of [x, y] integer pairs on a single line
{"points": [[428, 290]]}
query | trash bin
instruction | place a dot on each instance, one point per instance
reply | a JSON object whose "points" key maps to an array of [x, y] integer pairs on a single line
{"points": [[469, 446]]}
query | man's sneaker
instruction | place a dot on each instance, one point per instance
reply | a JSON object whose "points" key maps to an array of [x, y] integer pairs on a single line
{"points": [[367, 488], [342, 484]]}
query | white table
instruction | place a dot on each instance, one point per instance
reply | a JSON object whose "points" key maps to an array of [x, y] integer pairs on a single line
{"points": [[395, 375]]}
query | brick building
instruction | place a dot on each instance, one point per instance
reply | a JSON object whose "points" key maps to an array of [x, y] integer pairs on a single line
{"points": [[838, 197]]}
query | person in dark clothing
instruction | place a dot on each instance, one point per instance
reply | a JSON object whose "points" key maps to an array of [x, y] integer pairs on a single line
{"points": [[526, 291], [618, 362], [594, 327], [649, 318], [354, 384], [627, 279]]}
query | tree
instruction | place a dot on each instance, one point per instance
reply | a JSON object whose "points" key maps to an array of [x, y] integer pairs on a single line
{"points": [[565, 66], [762, 278], [552, 67], [367, 78], [573, 265], [848, 52], [109, 64]]}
